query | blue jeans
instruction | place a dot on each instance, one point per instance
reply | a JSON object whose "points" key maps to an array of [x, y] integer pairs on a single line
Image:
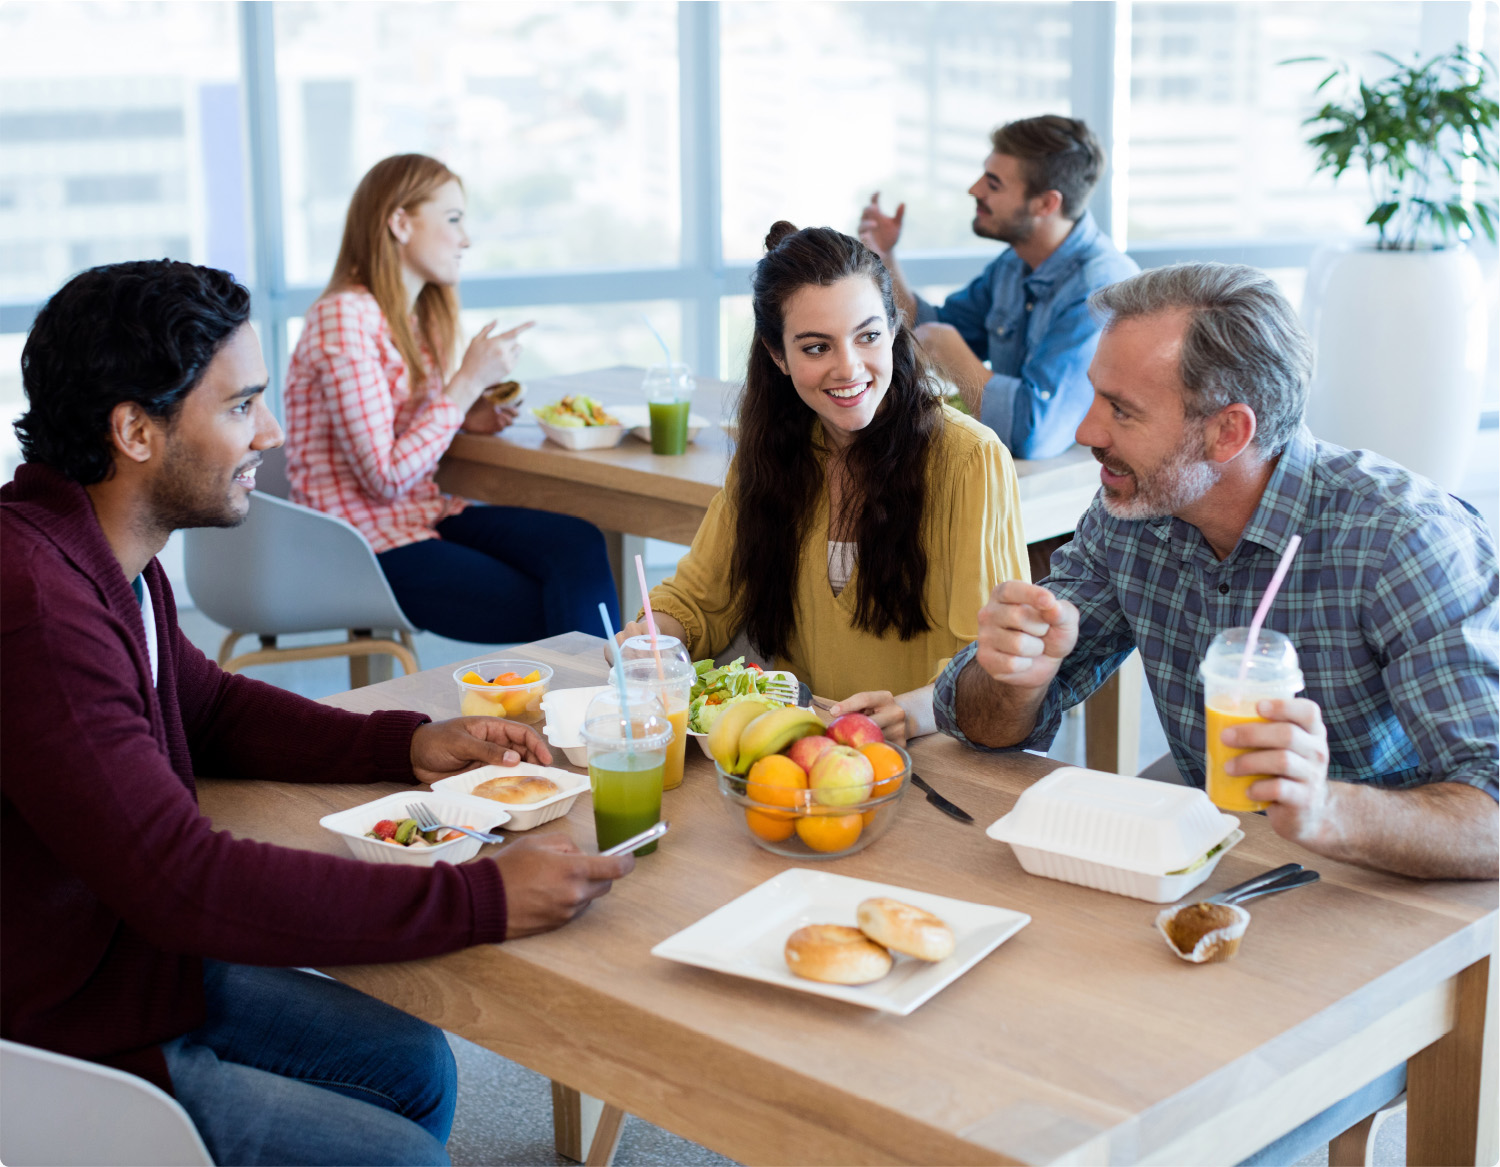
{"points": [[504, 574], [290, 1067]]}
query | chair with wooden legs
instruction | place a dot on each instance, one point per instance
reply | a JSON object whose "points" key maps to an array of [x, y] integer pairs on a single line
{"points": [[290, 569]]}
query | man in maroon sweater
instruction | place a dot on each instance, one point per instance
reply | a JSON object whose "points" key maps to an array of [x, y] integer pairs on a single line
{"points": [[135, 934]]}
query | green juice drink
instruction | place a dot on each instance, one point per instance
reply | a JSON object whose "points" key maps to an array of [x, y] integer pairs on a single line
{"points": [[627, 742], [627, 795], [669, 425]]}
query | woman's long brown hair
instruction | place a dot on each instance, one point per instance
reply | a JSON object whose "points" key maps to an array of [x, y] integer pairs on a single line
{"points": [[368, 258], [777, 475]]}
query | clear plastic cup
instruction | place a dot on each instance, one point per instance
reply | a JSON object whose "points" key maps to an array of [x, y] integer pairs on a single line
{"points": [[639, 648], [672, 686], [1229, 700], [669, 394], [625, 766]]}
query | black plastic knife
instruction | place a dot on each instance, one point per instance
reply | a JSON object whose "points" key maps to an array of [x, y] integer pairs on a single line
{"points": [[940, 802]]}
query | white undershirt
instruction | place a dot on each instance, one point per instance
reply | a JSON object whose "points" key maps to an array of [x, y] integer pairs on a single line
{"points": [[840, 564], [148, 618]]}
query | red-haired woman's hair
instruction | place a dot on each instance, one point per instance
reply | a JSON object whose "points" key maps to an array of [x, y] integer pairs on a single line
{"points": [[368, 258]]}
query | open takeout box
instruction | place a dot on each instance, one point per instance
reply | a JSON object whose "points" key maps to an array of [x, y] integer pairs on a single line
{"points": [[523, 816], [1149, 840]]}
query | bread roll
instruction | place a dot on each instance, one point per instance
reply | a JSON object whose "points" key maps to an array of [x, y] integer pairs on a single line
{"points": [[517, 789], [836, 955], [905, 929]]}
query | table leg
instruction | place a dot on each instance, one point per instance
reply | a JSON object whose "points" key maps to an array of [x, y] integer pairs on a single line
{"points": [[1450, 1085], [585, 1129], [1112, 719]]}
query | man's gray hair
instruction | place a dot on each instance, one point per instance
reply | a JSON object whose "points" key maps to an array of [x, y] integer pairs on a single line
{"points": [[1243, 343]]}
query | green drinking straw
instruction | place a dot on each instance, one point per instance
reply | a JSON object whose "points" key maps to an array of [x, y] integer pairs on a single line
{"points": [[609, 632]]}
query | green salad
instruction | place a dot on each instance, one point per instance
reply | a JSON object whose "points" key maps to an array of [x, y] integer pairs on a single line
{"points": [[717, 687]]}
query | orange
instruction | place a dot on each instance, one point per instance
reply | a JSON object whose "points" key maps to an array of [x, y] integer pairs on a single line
{"points": [[776, 780], [888, 767], [830, 832], [771, 826]]}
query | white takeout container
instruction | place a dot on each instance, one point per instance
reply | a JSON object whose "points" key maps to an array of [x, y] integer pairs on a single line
{"points": [[637, 421], [564, 710], [523, 817], [461, 812], [584, 437], [1116, 834]]}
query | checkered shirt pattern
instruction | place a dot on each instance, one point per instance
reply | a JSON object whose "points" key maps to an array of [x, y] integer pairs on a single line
{"points": [[1390, 602], [359, 444]]}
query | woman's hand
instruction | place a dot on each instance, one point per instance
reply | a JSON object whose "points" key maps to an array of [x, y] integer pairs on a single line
{"points": [[487, 361], [881, 708], [484, 418], [665, 626]]}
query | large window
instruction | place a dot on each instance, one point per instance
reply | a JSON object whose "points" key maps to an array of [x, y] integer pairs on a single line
{"points": [[824, 103], [1217, 146], [120, 138], [560, 118]]}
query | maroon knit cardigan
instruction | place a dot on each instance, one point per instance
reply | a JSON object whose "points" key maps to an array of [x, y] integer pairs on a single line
{"points": [[113, 886]]}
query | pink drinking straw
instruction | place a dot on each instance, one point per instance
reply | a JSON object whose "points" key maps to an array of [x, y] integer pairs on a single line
{"points": [[640, 574], [1265, 602]]}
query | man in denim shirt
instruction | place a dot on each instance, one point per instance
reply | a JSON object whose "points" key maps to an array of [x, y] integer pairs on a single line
{"points": [[1027, 312], [1389, 758]]}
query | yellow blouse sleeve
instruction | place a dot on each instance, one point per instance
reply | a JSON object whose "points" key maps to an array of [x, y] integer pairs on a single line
{"points": [[985, 540], [698, 595]]}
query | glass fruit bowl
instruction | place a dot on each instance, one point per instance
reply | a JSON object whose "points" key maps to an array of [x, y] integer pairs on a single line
{"points": [[480, 696], [797, 822]]}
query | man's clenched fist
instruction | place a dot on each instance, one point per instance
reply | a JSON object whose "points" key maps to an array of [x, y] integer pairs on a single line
{"points": [[1025, 632]]}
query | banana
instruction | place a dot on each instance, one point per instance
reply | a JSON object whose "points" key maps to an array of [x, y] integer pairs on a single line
{"points": [[772, 732], [724, 737]]}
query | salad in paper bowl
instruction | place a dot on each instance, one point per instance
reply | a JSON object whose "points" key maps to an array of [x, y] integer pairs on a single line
{"points": [[715, 688]]}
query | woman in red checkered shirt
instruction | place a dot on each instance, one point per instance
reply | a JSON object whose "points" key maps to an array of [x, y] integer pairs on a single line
{"points": [[373, 400]]}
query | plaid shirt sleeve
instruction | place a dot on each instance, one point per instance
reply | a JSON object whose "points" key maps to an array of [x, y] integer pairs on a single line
{"points": [[386, 466], [1431, 622], [1104, 641]]}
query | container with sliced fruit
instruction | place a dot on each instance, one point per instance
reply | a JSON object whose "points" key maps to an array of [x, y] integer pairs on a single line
{"points": [[804, 791], [510, 688]]}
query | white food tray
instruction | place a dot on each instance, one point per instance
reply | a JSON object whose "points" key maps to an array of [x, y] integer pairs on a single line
{"points": [[747, 937], [583, 437], [564, 710], [637, 421], [352, 824], [522, 817], [1116, 834]]}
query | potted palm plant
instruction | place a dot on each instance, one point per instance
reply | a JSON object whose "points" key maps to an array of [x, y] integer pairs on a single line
{"points": [[1400, 322]]}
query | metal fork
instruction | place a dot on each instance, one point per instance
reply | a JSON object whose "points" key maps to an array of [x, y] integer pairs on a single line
{"points": [[783, 687], [427, 821]]}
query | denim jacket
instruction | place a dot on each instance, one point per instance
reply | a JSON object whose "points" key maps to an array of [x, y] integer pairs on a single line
{"points": [[1036, 331]]}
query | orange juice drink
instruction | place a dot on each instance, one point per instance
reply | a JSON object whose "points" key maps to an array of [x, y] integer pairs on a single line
{"points": [[671, 685], [1231, 692]]}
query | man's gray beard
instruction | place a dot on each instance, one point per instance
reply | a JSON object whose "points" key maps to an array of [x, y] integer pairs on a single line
{"points": [[1175, 485]]}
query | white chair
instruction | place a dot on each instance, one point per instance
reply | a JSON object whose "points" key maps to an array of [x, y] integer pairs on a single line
{"points": [[57, 1110], [288, 569]]}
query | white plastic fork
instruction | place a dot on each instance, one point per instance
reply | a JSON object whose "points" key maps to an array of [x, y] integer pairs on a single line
{"points": [[427, 821]]}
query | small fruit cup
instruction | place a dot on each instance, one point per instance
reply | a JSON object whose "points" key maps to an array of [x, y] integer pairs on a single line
{"points": [[509, 688], [797, 823]]}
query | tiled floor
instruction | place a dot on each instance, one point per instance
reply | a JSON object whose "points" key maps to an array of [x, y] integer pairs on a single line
{"points": [[505, 1111]]}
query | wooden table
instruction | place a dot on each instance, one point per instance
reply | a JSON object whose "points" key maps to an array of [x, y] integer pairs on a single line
{"points": [[629, 491], [1080, 1040]]}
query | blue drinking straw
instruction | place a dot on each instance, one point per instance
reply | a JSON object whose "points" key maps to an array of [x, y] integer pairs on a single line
{"points": [[659, 341], [609, 632]]}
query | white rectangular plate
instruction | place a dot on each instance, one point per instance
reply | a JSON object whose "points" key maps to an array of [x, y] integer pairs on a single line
{"points": [[746, 937]]}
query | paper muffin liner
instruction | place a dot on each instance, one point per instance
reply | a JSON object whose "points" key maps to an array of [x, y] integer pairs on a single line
{"points": [[1212, 946]]}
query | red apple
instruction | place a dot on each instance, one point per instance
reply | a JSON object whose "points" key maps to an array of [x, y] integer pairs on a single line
{"points": [[805, 751], [855, 730], [841, 777]]}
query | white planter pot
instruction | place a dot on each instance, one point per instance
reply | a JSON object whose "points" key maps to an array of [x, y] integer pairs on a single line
{"points": [[1400, 338]]}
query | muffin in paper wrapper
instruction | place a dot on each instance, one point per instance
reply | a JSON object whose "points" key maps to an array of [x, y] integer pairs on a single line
{"points": [[1203, 933]]}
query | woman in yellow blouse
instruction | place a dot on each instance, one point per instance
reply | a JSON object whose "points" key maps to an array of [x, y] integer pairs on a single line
{"points": [[863, 522]]}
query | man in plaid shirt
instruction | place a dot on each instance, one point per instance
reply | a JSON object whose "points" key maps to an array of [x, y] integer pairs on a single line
{"points": [[1389, 759]]}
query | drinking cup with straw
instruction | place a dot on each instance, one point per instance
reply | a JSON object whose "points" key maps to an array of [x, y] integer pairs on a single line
{"points": [[627, 734], [671, 679], [1243, 667], [669, 390]]}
